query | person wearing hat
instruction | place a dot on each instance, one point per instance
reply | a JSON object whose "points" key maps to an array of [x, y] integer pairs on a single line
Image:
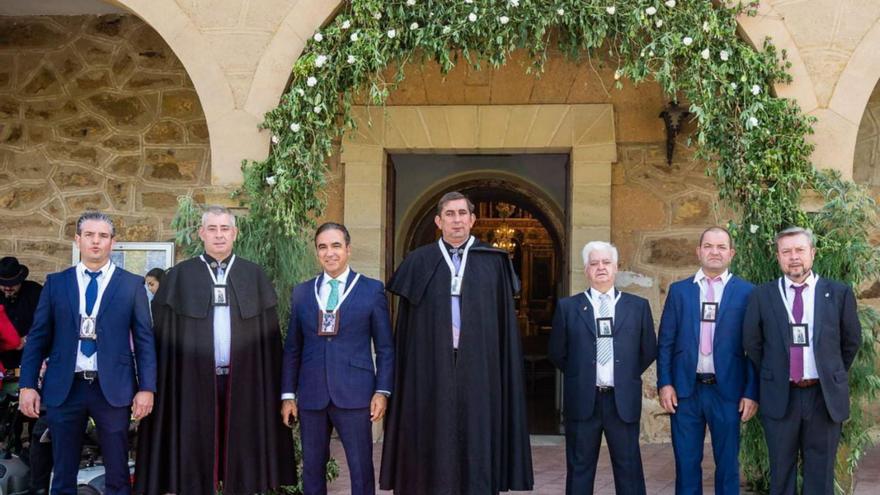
{"points": [[19, 297]]}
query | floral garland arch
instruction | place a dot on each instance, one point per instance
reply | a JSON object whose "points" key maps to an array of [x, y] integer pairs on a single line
{"points": [[690, 47]]}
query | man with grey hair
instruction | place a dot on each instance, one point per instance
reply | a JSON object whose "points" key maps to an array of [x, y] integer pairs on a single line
{"points": [[802, 332], [219, 344], [89, 320], [602, 341]]}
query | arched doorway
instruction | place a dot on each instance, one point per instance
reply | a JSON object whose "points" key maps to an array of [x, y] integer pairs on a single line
{"points": [[512, 216]]}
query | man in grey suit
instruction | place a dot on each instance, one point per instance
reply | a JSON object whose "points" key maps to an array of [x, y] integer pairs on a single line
{"points": [[802, 332]]}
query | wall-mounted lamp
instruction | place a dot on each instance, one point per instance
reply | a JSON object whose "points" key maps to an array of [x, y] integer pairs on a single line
{"points": [[672, 116]]}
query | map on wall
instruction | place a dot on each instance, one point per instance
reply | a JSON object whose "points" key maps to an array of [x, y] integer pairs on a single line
{"points": [[139, 257]]}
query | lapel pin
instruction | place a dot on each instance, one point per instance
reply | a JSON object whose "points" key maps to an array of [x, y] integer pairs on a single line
{"points": [[827, 295], [585, 308]]}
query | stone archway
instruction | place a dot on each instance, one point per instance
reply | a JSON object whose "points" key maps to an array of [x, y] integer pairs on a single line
{"points": [[586, 132]]}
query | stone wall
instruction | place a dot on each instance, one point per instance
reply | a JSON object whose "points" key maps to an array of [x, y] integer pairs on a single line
{"points": [[95, 112]]}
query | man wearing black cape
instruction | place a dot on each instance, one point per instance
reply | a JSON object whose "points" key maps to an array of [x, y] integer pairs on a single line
{"points": [[457, 419], [215, 421]]}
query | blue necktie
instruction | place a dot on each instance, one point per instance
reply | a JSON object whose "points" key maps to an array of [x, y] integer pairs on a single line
{"points": [[456, 303], [333, 298], [88, 346]]}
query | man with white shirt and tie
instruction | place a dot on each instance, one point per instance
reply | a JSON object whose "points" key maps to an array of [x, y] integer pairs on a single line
{"points": [[602, 341], [802, 332], [703, 377], [85, 323], [215, 426], [328, 376]]}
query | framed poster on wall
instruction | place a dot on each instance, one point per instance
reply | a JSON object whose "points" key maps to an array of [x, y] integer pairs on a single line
{"points": [[139, 257]]}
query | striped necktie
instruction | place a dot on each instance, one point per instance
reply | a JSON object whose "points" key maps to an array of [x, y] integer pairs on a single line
{"points": [[604, 346]]}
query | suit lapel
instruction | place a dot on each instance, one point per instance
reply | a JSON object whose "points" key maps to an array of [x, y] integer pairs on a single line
{"points": [[348, 282], [110, 291], [820, 307], [781, 313], [621, 313], [73, 295], [725, 298], [585, 310], [692, 305]]}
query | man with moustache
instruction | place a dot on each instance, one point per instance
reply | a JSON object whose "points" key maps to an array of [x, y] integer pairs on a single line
{"points": [[88, 318], [215, 425], [457, 421], [602, 341], [703, 377], [804, 391], [328, 378]]}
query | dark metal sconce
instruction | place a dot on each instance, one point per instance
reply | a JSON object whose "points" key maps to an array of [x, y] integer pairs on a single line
{"points": [[672, 116]]}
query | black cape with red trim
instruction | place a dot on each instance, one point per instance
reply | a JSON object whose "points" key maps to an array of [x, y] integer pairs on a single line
{"points": [[457, 426], [176, 452]]}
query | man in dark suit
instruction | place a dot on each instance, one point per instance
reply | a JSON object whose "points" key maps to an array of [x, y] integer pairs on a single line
{"points": [[328, 377], [804, 386], [602, 373], [86, 321], [703, 377]]}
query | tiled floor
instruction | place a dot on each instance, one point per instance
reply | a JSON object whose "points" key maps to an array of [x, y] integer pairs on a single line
{"points": [[549, 466]]}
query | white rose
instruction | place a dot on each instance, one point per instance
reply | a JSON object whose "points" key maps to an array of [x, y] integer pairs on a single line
{"points": [[392, 33], [753, 228], [472, 17], [670, 3], [651, 53], [504, 19], [706, 26], [294, 127], [414, 26], [753, 122], [377, 15], [300, 92], [687, 40], [447, 30], [617, 74], [346, 24], [318, 37], [659, 23], [354, 36], [320, 60], [611, 10], [468, 1], [651, 11], [351, 59], [513, 3], [311, 81], [275, 140], [733, 85], [756, 90], [271, 180], [316, 109], [705, 54], [560, 11], [410, 2], [724, 55]]}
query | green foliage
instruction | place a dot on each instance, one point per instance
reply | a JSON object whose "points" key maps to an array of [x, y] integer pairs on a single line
{"points": [[756, 141]]}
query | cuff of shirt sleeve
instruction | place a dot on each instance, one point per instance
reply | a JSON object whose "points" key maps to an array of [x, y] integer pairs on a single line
{"points": [[288, 396], [384, 392]]}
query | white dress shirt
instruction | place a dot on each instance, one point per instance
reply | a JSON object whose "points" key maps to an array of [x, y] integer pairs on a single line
{"points": [[324, 290], [809, 296], [706, 364], [84, 363], [604, 373], [222, 324]]}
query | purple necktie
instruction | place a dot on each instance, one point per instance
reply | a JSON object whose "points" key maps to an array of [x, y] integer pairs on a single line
{"points": [[707, 329], [456, 304], [796, 363]]}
